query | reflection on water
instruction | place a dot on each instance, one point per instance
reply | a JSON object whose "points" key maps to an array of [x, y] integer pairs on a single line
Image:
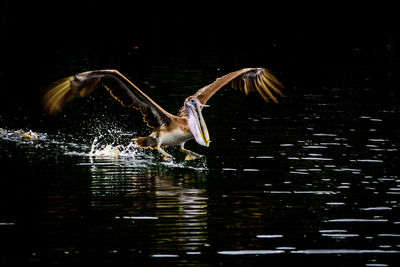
{"points": [[313, 180], [175, 214]]}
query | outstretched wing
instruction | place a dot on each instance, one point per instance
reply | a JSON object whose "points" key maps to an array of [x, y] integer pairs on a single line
{"points": [[248, 80], [119, 87]]}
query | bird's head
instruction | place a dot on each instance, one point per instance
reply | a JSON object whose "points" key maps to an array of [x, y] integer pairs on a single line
{"points": [[196, 122]]}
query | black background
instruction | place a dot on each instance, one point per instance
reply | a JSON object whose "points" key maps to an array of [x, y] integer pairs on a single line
{"points": [[308, 46], [311, 49]]}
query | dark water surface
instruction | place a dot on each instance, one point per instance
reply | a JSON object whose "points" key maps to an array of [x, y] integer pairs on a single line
{"points": [[313, 180]]}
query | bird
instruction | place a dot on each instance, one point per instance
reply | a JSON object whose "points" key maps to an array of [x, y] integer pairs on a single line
{"points": [[167, 129]]}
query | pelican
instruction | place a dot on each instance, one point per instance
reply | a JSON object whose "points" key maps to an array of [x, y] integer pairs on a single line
{"points": [[168, 129]]}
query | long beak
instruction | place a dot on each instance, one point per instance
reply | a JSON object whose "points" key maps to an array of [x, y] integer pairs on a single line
{"points": [[197, 125]]}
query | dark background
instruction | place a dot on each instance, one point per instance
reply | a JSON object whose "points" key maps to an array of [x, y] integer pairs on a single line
{"points": [[307, 47], [339, 65]]}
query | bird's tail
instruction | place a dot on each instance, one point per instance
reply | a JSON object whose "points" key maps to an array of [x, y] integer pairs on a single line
{"points": [[145, 142]]}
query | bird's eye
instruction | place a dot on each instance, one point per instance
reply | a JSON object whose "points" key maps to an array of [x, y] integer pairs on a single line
{"points": [[192, 100]]}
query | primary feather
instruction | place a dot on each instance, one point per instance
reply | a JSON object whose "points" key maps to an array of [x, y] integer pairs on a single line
{"points": [[247, 80], [119, 87]]}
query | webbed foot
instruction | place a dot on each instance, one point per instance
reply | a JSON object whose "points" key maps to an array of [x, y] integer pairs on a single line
{"points": [[190, 154], [166, 156], [193, 157]]}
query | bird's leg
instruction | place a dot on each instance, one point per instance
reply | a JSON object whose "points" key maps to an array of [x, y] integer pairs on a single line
{"points": [[166, 156], [190, 154]]}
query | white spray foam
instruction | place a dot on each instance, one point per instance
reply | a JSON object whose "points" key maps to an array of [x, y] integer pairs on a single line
{"points": [[112, 151]]}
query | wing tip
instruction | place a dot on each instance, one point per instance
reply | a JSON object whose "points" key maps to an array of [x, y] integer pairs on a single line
{"points": [[259, 80], [57, 96], [63, 91]]}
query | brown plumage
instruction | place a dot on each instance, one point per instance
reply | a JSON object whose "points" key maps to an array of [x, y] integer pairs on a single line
{"points": [[124, 91], [248, 80], [168, 129]]}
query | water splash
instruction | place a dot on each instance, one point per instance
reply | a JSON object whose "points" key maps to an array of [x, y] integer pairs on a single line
{"points": [[110, 150], [112, 144], [135, 156], [17, 135]]}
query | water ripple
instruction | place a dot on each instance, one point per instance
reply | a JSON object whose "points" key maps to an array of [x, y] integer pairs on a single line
{"points": [[250, 252], [345, 251]]}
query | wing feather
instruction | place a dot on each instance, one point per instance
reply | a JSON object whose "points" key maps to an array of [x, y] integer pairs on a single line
{"points": [[119, 87], [247, 80]]}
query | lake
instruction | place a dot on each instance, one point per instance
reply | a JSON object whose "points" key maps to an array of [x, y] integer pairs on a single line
{"points": [[313, 180]]}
